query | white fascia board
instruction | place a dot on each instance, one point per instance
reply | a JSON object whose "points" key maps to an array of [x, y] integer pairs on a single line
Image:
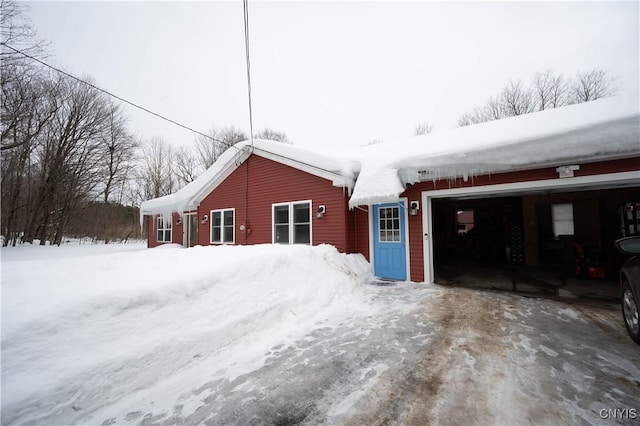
{"points": [[576, 183]]}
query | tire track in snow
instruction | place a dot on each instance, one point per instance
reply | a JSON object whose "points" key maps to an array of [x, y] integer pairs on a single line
{"points": [[426, 389]]}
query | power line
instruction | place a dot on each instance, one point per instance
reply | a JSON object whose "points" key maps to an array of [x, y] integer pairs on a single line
{"points": [[245, 4], [115, 96]]}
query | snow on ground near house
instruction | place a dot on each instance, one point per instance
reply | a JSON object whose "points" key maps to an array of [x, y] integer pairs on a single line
{"points": [[286, 335], [88, 330]]}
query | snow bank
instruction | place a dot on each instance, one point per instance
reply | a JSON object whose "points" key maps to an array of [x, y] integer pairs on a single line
{"points": [[85, 333], [599, 130]]}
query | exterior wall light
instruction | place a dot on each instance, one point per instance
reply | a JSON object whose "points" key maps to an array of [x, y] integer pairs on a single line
{"points": [[205, 218], [322, 209], [414, 206]]}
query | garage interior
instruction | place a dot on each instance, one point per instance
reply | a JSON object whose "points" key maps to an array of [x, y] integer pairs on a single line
{"points": [[548, 243]]}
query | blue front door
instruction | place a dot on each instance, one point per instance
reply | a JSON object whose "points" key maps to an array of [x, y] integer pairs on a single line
{"points": [[389, 241]]}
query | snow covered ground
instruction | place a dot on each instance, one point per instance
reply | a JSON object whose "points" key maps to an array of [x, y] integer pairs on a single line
{"points": [[120, 334]]}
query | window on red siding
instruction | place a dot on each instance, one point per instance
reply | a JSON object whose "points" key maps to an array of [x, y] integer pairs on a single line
{"points": [[281, 224], [292, 223], [302, 223], [164, 230], [222, 226]]}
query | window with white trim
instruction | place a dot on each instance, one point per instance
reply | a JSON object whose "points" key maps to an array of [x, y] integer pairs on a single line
{"points": [[562, 216], [292, 223], [222, 226], [163, 230]]}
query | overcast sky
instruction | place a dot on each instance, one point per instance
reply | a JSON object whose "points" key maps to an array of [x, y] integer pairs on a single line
{"points": [[330, 73]]}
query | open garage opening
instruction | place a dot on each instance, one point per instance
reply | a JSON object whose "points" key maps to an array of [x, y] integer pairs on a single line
{"points": [[557, 243]]}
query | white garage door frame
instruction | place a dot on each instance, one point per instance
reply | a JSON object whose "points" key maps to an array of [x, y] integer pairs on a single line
{"points": [[581, 183]]}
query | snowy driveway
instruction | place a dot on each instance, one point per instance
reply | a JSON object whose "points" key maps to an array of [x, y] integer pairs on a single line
{"points": [[456, 356], [293, 335]]}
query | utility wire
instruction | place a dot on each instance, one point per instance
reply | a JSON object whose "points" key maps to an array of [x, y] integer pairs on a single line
{"points": [[245, 4], [124, 100]]}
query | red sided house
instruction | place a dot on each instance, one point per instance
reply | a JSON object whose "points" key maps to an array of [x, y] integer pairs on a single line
{"points": [[265, 192], [531, 189]]}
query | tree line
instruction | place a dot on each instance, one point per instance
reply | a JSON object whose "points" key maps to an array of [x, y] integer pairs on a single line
{"points": [[163, 168], [546, 90], [70, 166]]}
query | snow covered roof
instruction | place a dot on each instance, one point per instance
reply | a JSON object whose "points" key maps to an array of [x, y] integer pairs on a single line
{"points": [[340, 170], [593, 131]]}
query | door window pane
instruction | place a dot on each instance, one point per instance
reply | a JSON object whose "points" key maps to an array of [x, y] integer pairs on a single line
{"points": [[193, 229], [389, 224]]}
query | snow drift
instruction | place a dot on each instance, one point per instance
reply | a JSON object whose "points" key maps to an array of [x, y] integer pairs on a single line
{"points": [[81, 333]]}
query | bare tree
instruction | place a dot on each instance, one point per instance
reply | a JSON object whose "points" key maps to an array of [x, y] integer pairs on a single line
{"points": [[119, 147], [187, 167], [492, 110], [272, 135], [549, 90], [208, 149], [119, 151], [423, 128], [516, 100], [29, 102], [477, 115], [592, 85], [64, 146], [230, 136], [156, 174], [68, 160], [17, 31]]}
